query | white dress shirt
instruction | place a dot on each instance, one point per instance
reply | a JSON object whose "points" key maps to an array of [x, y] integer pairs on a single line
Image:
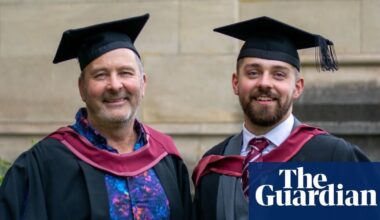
{"points": [[276, 136]]}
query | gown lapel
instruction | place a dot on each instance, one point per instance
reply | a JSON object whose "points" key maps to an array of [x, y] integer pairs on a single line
{"points": [[97, 193]]}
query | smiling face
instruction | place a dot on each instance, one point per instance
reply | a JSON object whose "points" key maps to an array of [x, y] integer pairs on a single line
{"points": [[112, 86], [266, 90]]}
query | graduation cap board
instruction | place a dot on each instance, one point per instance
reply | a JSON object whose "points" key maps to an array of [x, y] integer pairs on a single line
{"points": [[268, 38], [90, 42]]}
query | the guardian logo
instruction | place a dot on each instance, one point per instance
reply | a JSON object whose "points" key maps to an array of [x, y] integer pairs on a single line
{"points": [[305, 189]]}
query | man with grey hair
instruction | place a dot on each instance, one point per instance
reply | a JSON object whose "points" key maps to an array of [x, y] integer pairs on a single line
{"points": [[107, 165]]}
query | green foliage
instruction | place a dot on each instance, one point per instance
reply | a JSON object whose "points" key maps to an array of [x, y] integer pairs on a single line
{"points": [[4, 165]]}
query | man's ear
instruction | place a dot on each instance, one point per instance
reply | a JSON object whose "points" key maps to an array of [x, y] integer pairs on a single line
{"points": [[235, 83], [299, 88], [81, 87], [144, 83]]}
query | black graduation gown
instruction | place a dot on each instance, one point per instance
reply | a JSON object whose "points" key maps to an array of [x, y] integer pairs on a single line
{"points": [[321, 148], [58, 185]]}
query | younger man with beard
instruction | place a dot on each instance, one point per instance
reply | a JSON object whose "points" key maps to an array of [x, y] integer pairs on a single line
{"points": [[107, 165], [267, 81]]}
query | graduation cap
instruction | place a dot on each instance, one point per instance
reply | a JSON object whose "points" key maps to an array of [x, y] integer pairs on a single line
{"points": [[267, 38], [90, 42]]}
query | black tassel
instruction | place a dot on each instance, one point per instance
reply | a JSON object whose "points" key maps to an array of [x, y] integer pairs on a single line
{"points": [[325, 54]]}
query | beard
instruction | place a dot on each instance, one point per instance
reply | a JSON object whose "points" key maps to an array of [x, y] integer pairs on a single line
{"points": [[265, 116], [126, 117]]}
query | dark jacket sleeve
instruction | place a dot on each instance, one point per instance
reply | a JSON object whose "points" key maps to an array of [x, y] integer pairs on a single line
{"points": [[205, 198], [184, 185], [207, 190], [347, 152], [23, 184], [328, 148], [174, 178]]}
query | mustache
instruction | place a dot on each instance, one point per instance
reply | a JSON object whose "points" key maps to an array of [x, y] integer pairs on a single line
{"points": [[263, 92], [118, 95]]}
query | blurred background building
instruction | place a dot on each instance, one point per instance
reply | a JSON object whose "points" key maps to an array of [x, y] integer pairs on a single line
{"points": [[189, 68]]}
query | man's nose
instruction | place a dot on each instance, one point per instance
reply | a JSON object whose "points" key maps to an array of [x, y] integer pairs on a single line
{"points": [[114, 83], [265, 81]]}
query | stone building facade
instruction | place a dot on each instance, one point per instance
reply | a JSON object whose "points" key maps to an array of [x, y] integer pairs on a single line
{"points": [[188, 66]]}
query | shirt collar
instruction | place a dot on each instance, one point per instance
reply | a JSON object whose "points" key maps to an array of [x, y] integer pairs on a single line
{"points": [[84, 128], [276, 136]]}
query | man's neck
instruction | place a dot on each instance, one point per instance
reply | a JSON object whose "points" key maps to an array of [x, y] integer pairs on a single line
{"points": [[261, 130], [120, 136], [258, 130]]}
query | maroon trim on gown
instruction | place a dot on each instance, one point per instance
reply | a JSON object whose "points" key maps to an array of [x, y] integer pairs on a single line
{"points": [[130, 164], [233, 165]]}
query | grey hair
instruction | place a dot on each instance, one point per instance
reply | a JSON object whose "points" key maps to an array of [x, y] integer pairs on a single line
{"points": [[297, 73], [140, 65]]}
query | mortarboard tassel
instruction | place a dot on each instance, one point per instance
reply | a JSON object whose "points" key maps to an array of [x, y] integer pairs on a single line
{"points": [[325, 54]]}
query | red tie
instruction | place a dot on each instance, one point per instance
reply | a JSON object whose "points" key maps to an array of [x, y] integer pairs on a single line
{"points": [[256, 145]]}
